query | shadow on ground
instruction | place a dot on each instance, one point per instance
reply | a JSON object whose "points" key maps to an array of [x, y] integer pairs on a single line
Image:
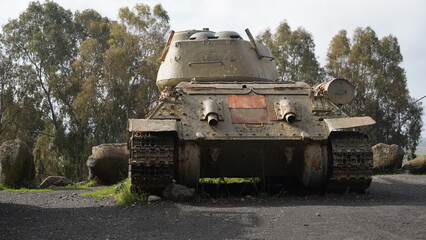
{"points": [[138, 221]]}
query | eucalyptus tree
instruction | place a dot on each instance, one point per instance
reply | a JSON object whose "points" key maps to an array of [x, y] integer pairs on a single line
{"points": [[43, 38], [373, 66], [294, 53]]}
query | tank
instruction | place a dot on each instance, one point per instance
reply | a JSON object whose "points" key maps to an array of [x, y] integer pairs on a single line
{"points": [[224, 112]]}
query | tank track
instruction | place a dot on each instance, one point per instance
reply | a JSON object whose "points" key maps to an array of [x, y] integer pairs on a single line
{"points": [[151, 160], [352, 159]]}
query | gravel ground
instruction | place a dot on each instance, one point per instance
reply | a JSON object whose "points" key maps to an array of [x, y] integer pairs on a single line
{"points": [[394, 207]]}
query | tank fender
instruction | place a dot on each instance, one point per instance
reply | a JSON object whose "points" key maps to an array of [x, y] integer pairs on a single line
{"points": [[152, 125], [349, 122]]}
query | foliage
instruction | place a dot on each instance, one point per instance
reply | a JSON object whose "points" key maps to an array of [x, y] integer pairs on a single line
{"points": [[294, 53], [121, 192], [6, 189], [373, 66], [70, 81], [226, 180]]}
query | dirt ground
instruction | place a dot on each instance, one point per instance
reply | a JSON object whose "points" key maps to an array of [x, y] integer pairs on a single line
{"points": [[394, 207]]}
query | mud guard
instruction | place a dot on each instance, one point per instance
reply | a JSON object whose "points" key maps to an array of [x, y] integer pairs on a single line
{"points": [[151, 125], [350, 122]]}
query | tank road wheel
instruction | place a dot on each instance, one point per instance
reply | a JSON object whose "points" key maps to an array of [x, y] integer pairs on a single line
{"points": [[189, 165], [352, 162], [151, 160]]}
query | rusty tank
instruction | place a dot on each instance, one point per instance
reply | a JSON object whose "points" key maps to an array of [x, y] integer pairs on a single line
{"points": [[224, 112]]}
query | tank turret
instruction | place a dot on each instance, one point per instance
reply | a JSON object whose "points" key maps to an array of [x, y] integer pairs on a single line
{"points": [[214, 57]]}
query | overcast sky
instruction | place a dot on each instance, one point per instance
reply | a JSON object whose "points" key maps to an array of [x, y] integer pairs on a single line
{"points": [[405, 19]]}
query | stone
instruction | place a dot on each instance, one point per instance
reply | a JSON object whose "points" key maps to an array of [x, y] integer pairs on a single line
{"points": [[177, 192], [119, 187], [17, 167], [108, 163], [55, 181], [415, 166], [154, 198], [387, 157], [81, 183]]}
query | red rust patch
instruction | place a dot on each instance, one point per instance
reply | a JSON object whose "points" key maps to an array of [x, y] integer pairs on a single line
{"points": [[246, 101]]}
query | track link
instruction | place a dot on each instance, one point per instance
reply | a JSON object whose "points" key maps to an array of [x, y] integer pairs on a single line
{"points": [[151, 160], [352, 158]]}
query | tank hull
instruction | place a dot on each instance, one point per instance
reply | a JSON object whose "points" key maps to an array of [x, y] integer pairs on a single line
{"points": [[223, 114]]}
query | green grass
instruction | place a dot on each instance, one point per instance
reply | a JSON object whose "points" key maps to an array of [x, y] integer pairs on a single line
{"points": [[120, 191], [6, 189], [87, 185], [379, 172], [228, 180]]}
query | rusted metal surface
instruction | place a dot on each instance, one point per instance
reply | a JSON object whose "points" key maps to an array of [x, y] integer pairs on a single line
{"points": [[246, 101], [259, 115], [351, 122]]}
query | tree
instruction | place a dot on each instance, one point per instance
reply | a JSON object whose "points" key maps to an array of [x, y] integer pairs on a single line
{"points": [[372, 65], [71, 81], [42, 38], [114, 77], [294, 53], [20, 116]]}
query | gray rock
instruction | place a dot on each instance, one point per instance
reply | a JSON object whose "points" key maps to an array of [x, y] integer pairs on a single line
{"points": [[108, 163], [16, 164], [177, 192], [81, 183], [154, 198], [57, 181], [119, 187], [387, 157], [416, 166]]}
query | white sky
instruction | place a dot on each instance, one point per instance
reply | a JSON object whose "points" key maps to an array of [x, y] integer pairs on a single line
{"points": [[405, 19]]}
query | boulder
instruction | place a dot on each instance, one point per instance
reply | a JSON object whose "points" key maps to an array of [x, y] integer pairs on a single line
{"points": [[17, 167], [55, 181], [177, 192], [387, 157], [154, 198], [416, 166], [108, 163]]}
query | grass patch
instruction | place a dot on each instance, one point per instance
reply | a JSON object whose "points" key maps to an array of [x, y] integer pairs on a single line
{"points": [[6, 189], [379, 172], [121, 192], [229, 180], [86, 185]]}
